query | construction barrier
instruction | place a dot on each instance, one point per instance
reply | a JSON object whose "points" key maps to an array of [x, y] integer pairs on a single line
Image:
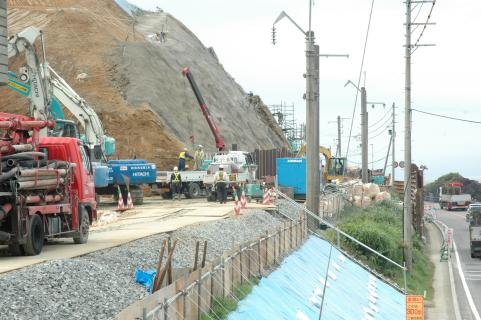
{"points": [[192, 296]]}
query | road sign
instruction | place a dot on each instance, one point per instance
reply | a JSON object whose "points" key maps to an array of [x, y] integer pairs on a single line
{"points": [[395, 164], [401, 164], [414, 307]]}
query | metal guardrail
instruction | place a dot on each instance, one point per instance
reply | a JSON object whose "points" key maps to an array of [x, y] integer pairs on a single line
{"points": [[340, 232]]}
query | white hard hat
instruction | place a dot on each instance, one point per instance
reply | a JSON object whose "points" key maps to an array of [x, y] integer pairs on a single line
{"points": [[201, 146], [176, 169], [185, 149]]}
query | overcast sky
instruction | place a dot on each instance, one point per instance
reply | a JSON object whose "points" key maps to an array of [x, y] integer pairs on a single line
{"points": [[446, 78]]}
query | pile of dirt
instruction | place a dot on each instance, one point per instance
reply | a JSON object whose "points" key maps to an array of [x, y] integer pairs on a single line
{"points": [[134, 81]]}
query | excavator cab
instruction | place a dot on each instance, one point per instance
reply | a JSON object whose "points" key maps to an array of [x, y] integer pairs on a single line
{"points": [[336, 167]]}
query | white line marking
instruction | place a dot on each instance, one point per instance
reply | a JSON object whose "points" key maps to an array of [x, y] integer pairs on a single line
{"points": [[465, 285]]}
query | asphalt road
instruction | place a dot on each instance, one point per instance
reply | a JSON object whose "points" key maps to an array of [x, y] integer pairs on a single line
{"points": [[470, 267]]}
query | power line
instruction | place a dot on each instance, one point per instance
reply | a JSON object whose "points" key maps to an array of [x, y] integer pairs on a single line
{"points": [[380, 119], [425, 25], [446, 117], [385, 125], [359, 79]]}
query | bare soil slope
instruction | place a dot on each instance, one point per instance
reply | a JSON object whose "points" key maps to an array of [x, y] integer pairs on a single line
{"points": [[135, 83]]}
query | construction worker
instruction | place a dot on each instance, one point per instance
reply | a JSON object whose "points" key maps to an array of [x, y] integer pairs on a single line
{"points": [[182, 157], [221, 179], [199, 157], [338, 167], [176, 183]]}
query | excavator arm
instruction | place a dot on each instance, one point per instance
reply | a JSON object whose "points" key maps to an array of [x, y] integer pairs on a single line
{"points": [[46, 84]]}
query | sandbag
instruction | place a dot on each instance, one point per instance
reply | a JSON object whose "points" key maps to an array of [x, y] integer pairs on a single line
{"points": [[357, 190], [371, 190], [383, 196]]}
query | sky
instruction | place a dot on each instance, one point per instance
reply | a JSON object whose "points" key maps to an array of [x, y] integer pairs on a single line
{"points": [[445, 78]]}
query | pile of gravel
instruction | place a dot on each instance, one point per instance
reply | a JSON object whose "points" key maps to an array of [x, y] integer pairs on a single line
{"points": [[101, 284]]}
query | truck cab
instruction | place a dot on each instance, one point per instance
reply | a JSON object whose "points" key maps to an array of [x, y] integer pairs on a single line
{"points": [[474, 219]]}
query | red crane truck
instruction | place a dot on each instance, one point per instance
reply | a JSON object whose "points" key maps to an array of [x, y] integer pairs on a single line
{"points": [[46, 186]]}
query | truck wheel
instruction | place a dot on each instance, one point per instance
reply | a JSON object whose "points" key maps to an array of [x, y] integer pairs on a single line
{"points": [[82, 235], [34, 243], [137, 195], [194, 190], [16, 249], [212, 196], [166, 195]]}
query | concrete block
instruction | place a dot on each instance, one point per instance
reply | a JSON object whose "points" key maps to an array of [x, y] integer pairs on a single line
{"points": [[3, 31], [3, 13], [3, 4]]}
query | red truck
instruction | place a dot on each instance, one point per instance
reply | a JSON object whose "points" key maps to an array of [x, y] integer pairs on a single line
{"points": [[46, 186]]}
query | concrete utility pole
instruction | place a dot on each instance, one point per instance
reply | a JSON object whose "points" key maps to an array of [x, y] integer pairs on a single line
{"points": [[364, 136], [393, 139], [339, 150], [3, 43], [408, 209]]}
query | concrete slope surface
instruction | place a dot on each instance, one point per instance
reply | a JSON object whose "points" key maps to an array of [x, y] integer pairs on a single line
{"points": [[134, 81]]}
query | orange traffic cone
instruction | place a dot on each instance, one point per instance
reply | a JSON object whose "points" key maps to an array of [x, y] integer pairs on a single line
{"points": [[120, 203], [243, 201], [130, 204], [237, 206], [266, 200]]}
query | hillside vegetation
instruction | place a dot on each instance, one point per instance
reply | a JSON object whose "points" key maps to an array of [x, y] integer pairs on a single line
{"points": [[471, 187]]}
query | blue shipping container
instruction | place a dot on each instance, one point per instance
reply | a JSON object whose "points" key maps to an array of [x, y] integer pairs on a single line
{"points": [[291, 172]]}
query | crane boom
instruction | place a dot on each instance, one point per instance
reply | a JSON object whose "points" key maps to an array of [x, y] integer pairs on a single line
{"points": [[219, 142]]}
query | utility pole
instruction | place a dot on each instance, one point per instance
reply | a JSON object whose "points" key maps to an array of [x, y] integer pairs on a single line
{"points": [[408, 209], [338, 153], [372, 157], [313, 176], [393, 139], [364, 135]]}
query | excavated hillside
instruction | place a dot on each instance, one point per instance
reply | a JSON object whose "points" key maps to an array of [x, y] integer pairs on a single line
{"points": [[134, 81]]}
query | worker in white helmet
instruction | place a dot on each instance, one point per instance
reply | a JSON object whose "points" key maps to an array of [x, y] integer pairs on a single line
{"points": [[199, 157], [221, 179], [176, 183]]}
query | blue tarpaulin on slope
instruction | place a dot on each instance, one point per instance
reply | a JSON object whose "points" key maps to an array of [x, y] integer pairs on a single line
{"points": [[294, 290]]}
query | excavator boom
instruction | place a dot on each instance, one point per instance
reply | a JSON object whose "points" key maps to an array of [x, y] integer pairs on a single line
{"points": [[219, 142]]}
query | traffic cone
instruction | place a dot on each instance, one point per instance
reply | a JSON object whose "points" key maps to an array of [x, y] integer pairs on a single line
{"points": [[243, 201], [130, 204], [266, 199], [120, 203], [237, 206], [272, 195]]}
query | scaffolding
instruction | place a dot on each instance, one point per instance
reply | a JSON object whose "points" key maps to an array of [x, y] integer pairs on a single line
{"points": [[294, 132]]}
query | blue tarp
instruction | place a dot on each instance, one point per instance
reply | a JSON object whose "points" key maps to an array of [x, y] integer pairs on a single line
{"points": [[294, 290], [126, 6], [145, 278]]}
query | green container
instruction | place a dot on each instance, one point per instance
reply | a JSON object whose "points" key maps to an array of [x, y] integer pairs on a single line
{"points": [[378, 180]]}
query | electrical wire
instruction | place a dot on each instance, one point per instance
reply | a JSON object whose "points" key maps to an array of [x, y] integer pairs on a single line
{"points": [[360, 75], [380, 119], [386, 124], [446, 117], [377, 135], [417, 15], [425, 25]]}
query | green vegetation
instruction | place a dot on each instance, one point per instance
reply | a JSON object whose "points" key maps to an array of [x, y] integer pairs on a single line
{"points": [[221, 307], [471, 187], [380, 227]]}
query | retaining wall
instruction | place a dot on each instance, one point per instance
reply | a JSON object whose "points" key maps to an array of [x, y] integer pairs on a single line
{"points": [[3, 43]]}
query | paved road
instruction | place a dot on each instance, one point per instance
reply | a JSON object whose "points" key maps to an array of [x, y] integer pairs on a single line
{"points": [[470, 267]]}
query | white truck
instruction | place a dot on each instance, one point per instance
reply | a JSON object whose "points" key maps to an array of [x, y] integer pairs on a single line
{"points": [[240, 167], [192, 183], [452, 198]]}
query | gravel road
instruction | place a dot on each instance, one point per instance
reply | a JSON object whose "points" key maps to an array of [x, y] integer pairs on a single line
{"points": [[100, 284]]}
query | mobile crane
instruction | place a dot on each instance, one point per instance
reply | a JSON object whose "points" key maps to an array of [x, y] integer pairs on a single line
{"points": [[46, 86]]}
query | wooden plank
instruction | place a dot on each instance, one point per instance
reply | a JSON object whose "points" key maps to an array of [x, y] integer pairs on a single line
{"points": [[205, 290], [192, 297], [227, 280]]}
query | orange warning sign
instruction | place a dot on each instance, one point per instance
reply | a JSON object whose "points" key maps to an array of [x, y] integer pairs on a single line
{"points": [[414, 307]]}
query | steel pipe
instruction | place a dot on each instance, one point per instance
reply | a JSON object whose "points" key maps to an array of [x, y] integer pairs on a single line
{"points": [[25, 155], [40, 184], [8, 175], [42, 172], [47, 198]]}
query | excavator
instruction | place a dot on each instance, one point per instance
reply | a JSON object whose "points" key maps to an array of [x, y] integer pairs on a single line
{"points": [[46, 90], [329, 172]]}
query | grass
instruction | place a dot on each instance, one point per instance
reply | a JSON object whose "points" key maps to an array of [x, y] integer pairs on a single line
{"points": [[380, 227], [222, 306]]}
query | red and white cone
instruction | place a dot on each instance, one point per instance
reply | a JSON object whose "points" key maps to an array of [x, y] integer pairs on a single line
{"points": [[237, 206], [243, 201], [130, 204], [120, 203], [266, 200], [272, 195]]}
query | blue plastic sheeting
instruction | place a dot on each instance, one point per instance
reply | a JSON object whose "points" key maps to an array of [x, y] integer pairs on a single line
{"points": [[294, 290], [145, 278]]}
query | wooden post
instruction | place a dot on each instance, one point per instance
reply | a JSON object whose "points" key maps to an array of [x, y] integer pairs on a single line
{"points": [[164, 269], [196, 257], [204, 254], [159, 265], [169, 273]]}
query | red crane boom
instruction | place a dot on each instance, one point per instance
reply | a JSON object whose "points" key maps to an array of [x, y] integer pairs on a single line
{"points": [[219, 142]]}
